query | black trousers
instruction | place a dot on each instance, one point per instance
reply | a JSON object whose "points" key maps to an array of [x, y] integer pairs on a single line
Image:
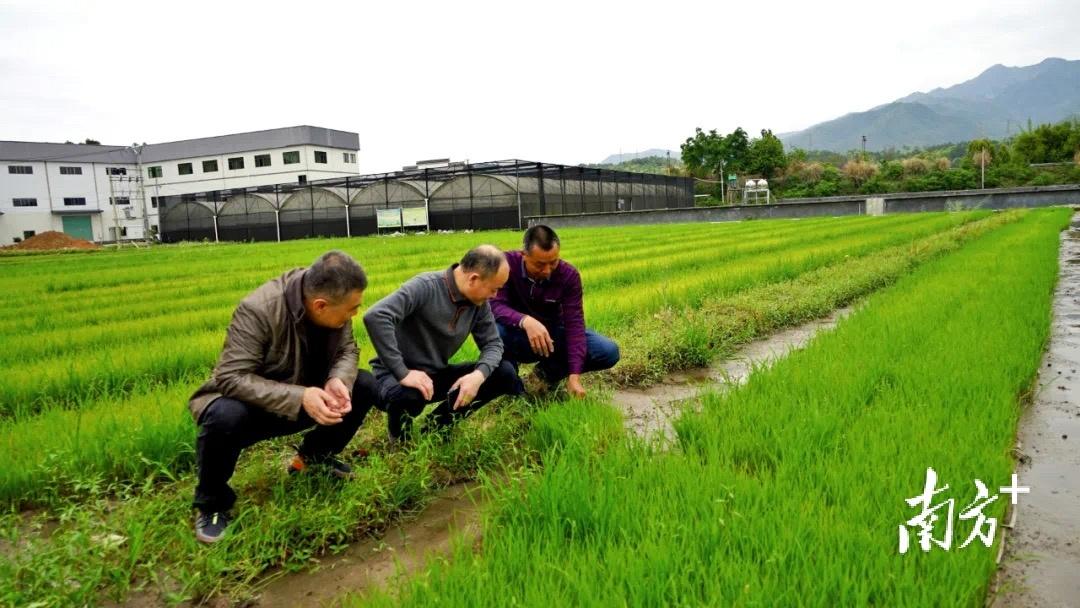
{"points": [[402, 403], [227, 426]]}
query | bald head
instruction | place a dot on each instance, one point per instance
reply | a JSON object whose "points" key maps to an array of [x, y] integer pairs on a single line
{"points": [[484, 260]]}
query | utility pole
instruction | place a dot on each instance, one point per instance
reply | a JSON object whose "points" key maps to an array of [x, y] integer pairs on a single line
{"points": [[142, 191], [723, 177], [112, 203], [982, 166], [864, 147]]}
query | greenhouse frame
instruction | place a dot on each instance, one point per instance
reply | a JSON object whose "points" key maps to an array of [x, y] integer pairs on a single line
{"points": [[458, 196]]}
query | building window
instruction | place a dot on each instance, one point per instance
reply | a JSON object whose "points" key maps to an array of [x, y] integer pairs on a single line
{"points": [[153, 202], [236, 163], [290, 158], [70, 170], [209, 166], [20, 170], [184, 169], [154, 171], [24, 202], [320, 157], [28, 233], [301, 179], [74, 202], [262, 160], [115, 171], [349, 157], [120, 200]]}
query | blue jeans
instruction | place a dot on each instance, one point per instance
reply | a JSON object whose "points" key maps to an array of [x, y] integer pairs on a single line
{"points": [[600, 352]]}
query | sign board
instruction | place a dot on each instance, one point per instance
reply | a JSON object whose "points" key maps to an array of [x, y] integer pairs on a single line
{"points": [[414, 216], [388, 218]]}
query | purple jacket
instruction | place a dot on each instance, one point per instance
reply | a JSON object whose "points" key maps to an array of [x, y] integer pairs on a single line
{"points": [[555, 302]]}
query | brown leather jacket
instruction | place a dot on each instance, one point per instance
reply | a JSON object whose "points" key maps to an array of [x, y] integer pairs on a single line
{"points": [[261, 363]]}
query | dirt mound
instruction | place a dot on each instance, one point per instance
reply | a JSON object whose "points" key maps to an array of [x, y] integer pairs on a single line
{"points": [[52, 240]]}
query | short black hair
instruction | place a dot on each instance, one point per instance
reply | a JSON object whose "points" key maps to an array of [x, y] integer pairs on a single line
{"points": [[333, 276], [484, 260], [540, 236]]}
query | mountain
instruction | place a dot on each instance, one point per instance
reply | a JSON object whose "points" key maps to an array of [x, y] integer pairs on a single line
{"points": [[994, 104], [618, 158]]}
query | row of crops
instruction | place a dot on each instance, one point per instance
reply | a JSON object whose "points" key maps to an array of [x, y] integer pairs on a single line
{"points": [[789, 490], [102, 351]]}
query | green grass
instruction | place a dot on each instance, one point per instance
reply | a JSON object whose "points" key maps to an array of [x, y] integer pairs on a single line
{"points": [[96, 435], [789, 490], [86, 333], [146, 433]]}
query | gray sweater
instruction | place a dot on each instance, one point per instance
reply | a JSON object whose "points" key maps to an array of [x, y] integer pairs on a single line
{"points": [[423, 323]]}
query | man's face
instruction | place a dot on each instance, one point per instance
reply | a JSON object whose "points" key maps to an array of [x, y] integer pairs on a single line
{"points": [[478, 290], [334, 315], [539, 264]]}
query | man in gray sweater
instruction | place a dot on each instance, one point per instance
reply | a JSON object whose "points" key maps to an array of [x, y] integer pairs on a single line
{"points": [[419, 327]]}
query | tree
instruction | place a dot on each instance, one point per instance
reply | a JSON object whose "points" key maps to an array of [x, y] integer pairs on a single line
{"points": [[1048, 143], [92, 142], [766, 155], [708, 154]]}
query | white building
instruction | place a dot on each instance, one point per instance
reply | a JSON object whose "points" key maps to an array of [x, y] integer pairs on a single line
{"points": [[94, 192]]}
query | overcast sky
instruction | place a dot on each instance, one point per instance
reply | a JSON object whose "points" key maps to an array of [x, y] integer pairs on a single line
{"points": [[554, 81]]}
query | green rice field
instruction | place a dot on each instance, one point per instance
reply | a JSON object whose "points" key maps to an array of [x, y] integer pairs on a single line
{"points": [[785, 491]]}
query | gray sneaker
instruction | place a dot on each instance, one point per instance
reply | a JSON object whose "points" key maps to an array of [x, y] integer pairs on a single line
{"points": [[210, 527]]}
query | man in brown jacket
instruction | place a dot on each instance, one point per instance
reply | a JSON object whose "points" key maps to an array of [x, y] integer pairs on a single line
{"points": [[289, 363]]}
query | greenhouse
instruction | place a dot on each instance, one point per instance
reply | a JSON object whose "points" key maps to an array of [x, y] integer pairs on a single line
{"points": [[459, 196]]}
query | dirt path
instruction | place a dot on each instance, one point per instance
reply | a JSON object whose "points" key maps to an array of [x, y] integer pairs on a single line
{"points": [[649, 412], [1042, 564], [374, 562]]}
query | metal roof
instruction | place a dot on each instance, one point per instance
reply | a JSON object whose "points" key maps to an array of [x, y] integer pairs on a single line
{"points": [[30, 151], [187, 148], [255, 140]]}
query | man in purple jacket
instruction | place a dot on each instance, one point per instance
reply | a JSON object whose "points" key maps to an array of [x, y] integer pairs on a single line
{"points": [[541, 319]]}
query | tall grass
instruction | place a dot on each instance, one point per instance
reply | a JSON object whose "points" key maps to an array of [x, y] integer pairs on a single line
{"points": [[98, 465], [789, 490], [148, 432], [86, 336]]}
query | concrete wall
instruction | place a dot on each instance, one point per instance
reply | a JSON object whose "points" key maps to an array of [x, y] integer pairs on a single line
{"points": [[907, 202]]}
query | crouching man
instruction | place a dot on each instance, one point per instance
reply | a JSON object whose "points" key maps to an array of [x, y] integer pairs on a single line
{"points": [[541, 319], [289, 363], [419, 327]]}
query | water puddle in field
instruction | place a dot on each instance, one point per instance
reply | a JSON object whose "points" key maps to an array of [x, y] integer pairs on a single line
{"points": [[1042, 557], [649, 412], [373, 563]]}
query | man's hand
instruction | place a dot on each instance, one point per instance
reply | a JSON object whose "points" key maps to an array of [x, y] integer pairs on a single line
{"points": [[342, 401], [573, 385], [468, 386], [539, 339], [421, 382], [316, 403]]}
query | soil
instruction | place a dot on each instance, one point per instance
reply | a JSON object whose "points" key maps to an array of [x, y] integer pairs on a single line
{"points": [[50, 240], [373, 563], [649, 412], [1042, 554]]}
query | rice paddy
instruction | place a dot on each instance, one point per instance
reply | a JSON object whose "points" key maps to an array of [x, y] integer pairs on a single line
{"points": [[787, 491]]}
